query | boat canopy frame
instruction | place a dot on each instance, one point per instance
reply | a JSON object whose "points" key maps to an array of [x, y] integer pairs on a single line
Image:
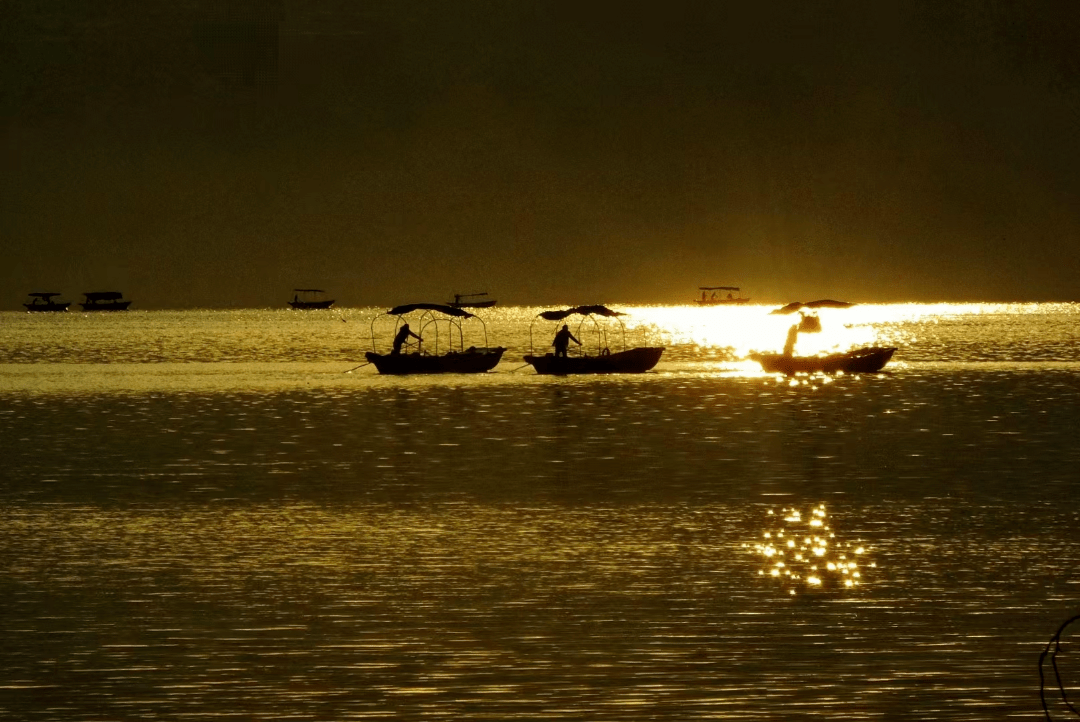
{"points": [[433, 315], [587, 313]]}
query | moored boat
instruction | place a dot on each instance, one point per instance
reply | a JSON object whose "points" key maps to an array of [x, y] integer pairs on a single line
{"points": [[867, 360], [437, 320], [43, 303], [627, 361], [726, 296], [310, 299], [104, 301], [471, 300]]}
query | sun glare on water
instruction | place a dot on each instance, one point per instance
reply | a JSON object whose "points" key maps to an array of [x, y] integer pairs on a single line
{"points": [[801, 553]]}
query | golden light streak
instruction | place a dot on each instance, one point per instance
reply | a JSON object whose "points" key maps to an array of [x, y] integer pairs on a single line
{"points": [[790, 561]]}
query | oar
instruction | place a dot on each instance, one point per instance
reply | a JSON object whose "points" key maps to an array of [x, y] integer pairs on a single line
{"points": [[518, 368], [356, 367]]}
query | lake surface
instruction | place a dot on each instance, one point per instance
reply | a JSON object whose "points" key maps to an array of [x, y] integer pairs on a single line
{"points": [[204, 516]]}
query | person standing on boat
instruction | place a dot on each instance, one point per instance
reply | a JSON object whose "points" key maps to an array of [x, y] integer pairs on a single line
{"points": [[402, 337], [792, 337], [562, 341]]}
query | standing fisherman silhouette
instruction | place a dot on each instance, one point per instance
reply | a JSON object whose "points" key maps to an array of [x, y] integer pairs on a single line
{"points": [[792, 337], [402, 337], [562, 341]]}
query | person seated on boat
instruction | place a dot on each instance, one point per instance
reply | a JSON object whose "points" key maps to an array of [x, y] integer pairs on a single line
{"points": [[730, 297], [402, 337], [714, 295], [562, 341], [792, 337], [704, 295]]}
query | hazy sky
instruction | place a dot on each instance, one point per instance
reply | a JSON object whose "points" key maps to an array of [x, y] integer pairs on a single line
{"points": [[219, 155]]}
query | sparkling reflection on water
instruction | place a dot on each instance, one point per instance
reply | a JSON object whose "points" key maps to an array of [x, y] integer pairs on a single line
{"points": [[285, 541]]}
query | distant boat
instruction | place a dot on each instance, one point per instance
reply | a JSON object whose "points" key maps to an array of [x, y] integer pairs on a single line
{"points": [[43, 303], [721, 296], [104, 301], [823, 303], [868, 360], [471, 300], [310, 299], [628, 361], [434, 321]]}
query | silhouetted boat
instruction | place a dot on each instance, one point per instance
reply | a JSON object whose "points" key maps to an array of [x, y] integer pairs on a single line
{"points": [[471, 300], [823, 303], [435, 318], [715, 300], [866, 360], [308, 299], [104, 301], [43, 303], [628, 361]]}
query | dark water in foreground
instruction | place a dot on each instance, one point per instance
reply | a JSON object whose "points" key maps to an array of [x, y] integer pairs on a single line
{"points": [[263, 539]]}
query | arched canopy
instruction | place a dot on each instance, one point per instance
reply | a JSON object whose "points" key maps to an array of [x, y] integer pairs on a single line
{"points": [[582, 310], [823, 303], [441, 308]]}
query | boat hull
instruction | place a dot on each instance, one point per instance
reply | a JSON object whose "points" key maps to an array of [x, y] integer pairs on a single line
{"points": [[46, 307], [464, 362], [868, 360], [631, 361], [311, 305], [108, 306], [721, 301], [472, 304]]}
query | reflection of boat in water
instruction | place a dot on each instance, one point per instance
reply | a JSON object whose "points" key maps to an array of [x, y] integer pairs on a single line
{"points": [[309, 299], [471, 300], [435, 319], [798, 306], [866, 360], [43, 303], [104, 301], [628, 361], [718, 300]]}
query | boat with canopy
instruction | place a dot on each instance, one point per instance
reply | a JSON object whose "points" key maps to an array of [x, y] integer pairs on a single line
{"points": [[867, 360], [43, 303], [627, 361], [721, 296], [441, 346], [471, 300], [104, 301], [310, 299]]}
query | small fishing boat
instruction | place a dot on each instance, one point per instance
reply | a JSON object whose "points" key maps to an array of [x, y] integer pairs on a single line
{"points": [[310, 299], [442, 324], [867, 360], [721, 296], [627, 361], [104, 301], [43, 303], [471, 300]]}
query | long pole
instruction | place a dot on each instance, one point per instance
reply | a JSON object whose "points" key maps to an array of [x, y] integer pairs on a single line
{"points": [[356, 367]]}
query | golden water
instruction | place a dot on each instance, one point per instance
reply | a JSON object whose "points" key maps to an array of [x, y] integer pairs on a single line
{"points": [[204, 516]]}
